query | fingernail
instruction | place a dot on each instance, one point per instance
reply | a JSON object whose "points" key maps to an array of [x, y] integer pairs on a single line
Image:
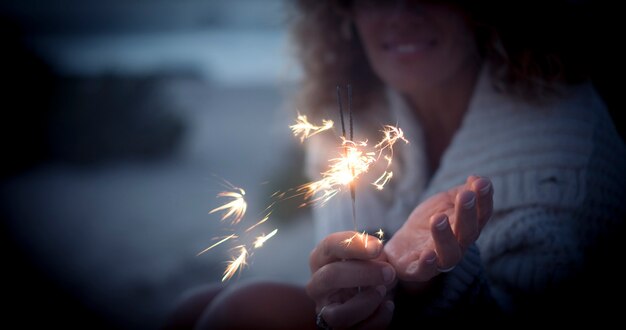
{"points": [[442, 223], [483, 187], [412, 268], [431, 260], [382, 290], [373, 248], [390, 305], [470, 203], [387, 274]]}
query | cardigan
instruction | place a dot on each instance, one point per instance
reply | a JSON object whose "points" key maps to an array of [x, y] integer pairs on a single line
{"points": [[559, 188]]}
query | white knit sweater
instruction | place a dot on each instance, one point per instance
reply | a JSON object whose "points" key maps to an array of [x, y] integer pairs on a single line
{"points": [[557, 172]]}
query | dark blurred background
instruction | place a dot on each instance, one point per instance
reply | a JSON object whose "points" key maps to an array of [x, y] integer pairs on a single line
{"points": [[120, 119]]}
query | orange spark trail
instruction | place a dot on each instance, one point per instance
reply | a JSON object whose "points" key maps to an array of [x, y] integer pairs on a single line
{"points": [[218, 243], [263, 238], [236, 264], [235, 208], [305, 129], [382, 180]]}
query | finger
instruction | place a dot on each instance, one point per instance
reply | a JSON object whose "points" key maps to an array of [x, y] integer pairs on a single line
{"points": [[466, 224], [348, 274], [483, 188], [356, 309], [471, 179], [344, 245], [446, 245], [381, 318], [422, 269]]}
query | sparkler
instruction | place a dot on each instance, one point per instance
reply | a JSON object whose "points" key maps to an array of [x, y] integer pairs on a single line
{"points": [[355, 160], [350, 167], [343, 171]]}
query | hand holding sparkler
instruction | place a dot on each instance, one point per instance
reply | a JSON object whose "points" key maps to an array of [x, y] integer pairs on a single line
{"points": [[351, 277], [339, 268], [439, 230]]}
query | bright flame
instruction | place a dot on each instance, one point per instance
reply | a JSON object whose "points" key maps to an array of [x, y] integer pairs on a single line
{"points": [[263, 238], [342, 172], [354, 161], [236, 264], [235, 208], [305, 129], [218, 243]]}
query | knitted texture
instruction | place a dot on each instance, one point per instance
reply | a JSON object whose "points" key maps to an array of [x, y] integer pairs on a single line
{"points": [[557, 172]]}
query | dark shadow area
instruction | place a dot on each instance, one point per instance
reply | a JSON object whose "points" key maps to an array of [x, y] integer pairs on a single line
{"points": [[27, 88], [34, 298], [104, 119], [81, 121], [607, 57]]}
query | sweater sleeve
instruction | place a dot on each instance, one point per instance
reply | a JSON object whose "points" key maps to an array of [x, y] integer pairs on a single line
{"points": [[536, 263], [553, 262], [462, 295], [533, 254]]}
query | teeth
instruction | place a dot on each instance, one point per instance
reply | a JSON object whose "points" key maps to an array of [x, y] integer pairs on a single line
{"points": [[406, 48]]}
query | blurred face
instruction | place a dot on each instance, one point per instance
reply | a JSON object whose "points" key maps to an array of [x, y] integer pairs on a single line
{"points": [[414, 45]]}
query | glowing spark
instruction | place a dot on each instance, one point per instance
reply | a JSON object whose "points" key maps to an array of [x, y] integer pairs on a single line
{"points": [[265, 218], [235, 208], [218, 243], [236, 264], [382, 180], [305, 129], [362, 236], [391, 135], [380, 234], [278, 194], [354, 160], [263, 238], [341, 173]]}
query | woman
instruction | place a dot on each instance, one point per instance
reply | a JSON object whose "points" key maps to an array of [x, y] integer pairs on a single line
{"points": [[476, 93]]}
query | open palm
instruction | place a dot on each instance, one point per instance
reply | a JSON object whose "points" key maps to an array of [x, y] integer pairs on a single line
{"points": [[439, 230]]}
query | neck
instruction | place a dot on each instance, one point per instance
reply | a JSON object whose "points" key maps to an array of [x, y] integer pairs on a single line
{"points": [[440, 110]]}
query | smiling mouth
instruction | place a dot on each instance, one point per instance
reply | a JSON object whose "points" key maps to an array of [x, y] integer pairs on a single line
{"points": [[409, 47]]}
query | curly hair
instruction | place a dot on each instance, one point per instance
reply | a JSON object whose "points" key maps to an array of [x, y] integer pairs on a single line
{"points": [[533, 47], [329, 55]]}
